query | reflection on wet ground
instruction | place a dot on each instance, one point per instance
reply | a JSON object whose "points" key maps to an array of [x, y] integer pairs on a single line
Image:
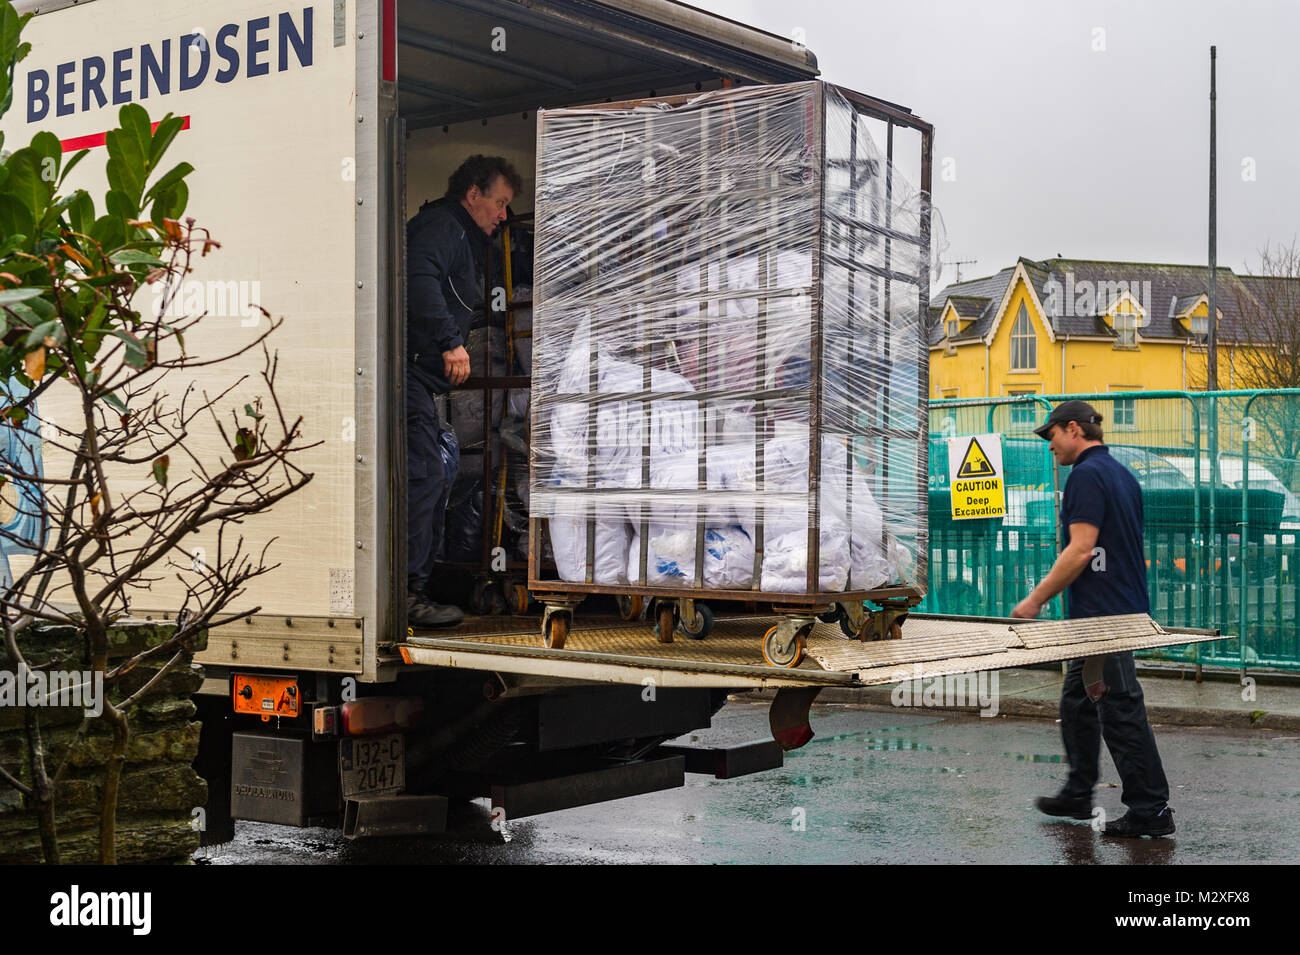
{"points": [[1036, 757], [875, 785]]}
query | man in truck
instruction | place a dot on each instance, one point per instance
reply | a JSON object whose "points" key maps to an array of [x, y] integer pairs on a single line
{"points": [[1104, 568], [445, 245]]}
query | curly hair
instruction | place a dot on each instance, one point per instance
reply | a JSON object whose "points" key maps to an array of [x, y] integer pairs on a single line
{"points": [[482, 171]]}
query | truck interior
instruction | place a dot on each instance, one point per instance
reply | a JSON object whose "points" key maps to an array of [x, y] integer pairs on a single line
{"points": [[471, 76]]}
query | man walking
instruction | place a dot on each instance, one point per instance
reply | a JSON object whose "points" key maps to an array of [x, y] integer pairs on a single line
{"points": [[1103, 566], [445, 242]]}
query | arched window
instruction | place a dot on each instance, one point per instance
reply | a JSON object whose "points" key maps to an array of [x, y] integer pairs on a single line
{"points": [[1024, 343]]}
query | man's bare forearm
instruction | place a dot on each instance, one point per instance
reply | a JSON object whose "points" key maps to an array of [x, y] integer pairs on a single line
{"points": [[1069, 565]]}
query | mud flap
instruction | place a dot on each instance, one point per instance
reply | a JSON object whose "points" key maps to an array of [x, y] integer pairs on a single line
{"points": [[788, 716]]}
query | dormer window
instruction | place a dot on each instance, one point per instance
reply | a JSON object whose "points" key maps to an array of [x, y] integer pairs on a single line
{"points": [[954, 325], [1198, 326]]}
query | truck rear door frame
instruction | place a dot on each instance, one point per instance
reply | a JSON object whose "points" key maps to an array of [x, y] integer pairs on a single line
{"points": [[650, 28]]}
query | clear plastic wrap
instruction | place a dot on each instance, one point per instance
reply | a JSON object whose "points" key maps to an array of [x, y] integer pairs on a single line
{"points": [[726, 322]]}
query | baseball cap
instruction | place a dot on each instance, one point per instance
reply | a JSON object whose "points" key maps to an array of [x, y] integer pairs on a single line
{"points": [[1072, 410]]}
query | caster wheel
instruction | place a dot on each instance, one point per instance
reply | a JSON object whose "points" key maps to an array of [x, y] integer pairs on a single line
{"points": [[481, 598], [667, 621], [629, 606], [557, 631], [701, 626], [846, 627], [790, 658], [520, 599], [895, 631]]}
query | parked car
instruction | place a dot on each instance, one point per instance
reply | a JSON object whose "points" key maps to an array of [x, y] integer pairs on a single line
{"points": [[1230, 475], [1154, 472], [1275, 557]]}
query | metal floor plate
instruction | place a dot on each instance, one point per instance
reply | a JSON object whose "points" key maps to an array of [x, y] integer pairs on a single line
{"points": [[507, 625], [835, 652], [1037, 634], [731, 654]]}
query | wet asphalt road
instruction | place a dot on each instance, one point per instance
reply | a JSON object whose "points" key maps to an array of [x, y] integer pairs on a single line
{"points": [[875, 785]]}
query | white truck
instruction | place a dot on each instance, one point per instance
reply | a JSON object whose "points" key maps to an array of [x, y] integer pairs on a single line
{"points": [[317, 127]]}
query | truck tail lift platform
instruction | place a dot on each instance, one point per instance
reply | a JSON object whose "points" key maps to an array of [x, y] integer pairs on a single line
{"points": [[931, 646]]}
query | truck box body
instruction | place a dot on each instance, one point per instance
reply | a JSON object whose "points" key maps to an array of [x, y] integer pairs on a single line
{"points": [[302, 175], [268, 91]]}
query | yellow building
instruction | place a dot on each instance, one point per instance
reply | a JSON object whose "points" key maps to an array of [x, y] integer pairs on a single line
{"points": [[1076, 326]]}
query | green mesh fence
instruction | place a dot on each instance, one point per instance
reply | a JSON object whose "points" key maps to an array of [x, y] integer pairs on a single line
{"points": [[1219, 474]]}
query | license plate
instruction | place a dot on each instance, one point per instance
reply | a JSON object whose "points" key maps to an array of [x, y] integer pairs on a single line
{"points": [[372, 764]]}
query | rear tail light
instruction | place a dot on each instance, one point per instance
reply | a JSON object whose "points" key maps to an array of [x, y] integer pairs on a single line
{"points": [[380, 714]]}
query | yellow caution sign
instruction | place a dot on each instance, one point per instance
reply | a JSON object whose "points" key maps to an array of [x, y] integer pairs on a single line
{"points": [[975, 463], [976, 477]]}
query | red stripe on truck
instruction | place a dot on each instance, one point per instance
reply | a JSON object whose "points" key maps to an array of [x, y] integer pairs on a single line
{"points": [[98, 139]]}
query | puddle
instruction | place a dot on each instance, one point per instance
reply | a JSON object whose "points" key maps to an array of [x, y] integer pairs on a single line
{"points": [[859, 734], [901, 744], [892, 744]]}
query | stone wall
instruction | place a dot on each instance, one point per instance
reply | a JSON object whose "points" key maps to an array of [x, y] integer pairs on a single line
{"points": [[159, 789]]}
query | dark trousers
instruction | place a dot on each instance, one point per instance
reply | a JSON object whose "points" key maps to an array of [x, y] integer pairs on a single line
{"points": [[1120, 717], [428, 484]]}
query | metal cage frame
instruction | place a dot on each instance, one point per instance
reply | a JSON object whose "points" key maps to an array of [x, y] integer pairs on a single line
{"points": [[811, 598]]}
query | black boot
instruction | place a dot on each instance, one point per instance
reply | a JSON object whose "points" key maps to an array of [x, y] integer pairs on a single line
{"points": [[1132, 826], [1074, 807], [421, 612]]}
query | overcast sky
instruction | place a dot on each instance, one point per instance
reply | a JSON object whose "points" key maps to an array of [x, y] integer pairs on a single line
{"points": [[1079, 128]]}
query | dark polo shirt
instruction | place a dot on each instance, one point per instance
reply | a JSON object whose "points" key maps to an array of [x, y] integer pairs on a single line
{"points": [[1102, 492]]}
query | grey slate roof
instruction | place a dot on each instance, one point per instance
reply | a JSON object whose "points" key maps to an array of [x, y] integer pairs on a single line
{"points": [[990, 289], [968, 306]]}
